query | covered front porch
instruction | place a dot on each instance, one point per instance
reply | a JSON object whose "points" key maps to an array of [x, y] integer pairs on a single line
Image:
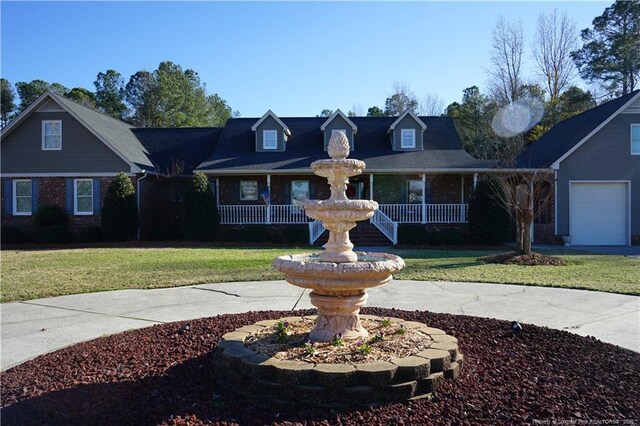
{"points": [[403, 198]]}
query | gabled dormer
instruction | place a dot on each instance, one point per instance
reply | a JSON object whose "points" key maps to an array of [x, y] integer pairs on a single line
{"points": [[407, 132], [339, 122], [271, 133]]}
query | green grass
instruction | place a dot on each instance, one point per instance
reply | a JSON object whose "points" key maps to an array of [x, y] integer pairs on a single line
{"points": [[31, 274]]}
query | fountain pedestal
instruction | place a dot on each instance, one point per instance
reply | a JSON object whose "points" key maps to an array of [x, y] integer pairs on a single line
{"points": [[338, 315]]}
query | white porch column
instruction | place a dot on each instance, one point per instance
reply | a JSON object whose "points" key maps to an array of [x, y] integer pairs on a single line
{"points": [[268, 218], [424, 198], [475, 180], [371, 186]]}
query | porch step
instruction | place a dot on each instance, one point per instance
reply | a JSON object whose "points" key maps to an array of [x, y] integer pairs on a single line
{"points": [[364, 234]]}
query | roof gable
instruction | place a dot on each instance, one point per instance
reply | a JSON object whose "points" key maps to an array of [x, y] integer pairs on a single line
{"points": [[115, 134], [568, 135], [404, 114], [275, 117], [337, 112]]}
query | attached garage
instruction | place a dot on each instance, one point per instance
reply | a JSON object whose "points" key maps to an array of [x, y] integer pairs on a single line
{"points": [[599, 213]]}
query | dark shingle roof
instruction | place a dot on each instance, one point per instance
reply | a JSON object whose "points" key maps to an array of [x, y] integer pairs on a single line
{"points": [[236, 152], [566, 134], [117, 133], [170, 146]]}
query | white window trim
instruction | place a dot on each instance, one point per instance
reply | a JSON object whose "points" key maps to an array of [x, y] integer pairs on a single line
{"points": [[250, 198], [15, 198], [339, 130], [75, 197], [413, 136], [44, 122], [631, 139], [264, 139]]}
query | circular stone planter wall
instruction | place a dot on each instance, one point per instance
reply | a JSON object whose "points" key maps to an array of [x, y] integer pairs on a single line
{"points": [[244, 372]]}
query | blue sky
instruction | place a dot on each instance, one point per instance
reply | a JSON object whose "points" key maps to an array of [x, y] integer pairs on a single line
{"points": [[294, 58]]}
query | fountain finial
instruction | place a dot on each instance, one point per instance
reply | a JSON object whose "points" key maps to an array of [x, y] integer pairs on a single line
{"points": [[338, 148]]}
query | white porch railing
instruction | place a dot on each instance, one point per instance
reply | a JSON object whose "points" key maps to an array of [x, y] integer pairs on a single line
{"points": [[315, 230], [426, 213], [261, 214], [387, 226], [291, 214]]}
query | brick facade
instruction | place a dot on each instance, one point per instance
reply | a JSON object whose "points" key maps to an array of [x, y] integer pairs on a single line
{"points": [[52, 192]]}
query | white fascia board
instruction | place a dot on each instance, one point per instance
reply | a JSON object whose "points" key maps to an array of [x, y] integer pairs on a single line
{"points": [[413, 115], [24, 114], [275, 117], [354, 128], [556, 164]]}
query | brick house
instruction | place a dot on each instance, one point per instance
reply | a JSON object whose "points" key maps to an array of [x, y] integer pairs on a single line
{"points": [[60, 152]]}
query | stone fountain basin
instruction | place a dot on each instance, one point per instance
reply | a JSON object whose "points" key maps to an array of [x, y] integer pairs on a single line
{"points": [[339, 279], [340, 210], [346, 166]]}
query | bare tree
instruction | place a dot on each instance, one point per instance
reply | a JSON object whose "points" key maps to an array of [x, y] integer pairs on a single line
{"points": [[356, 111], [506, 61], [431, 105], [556, 38], [400, 100], [525, 195]]}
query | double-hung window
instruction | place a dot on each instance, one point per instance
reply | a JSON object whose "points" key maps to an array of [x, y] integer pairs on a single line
{"points": [[269, 139], [51, 135], [336, 131], [83, 197], [635, 139], [408, 138], [22, 197]]}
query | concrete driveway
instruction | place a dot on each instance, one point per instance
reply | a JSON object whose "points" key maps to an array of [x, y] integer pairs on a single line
{"points": [[35, 327]]}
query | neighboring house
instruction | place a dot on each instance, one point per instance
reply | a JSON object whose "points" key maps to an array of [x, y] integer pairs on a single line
{"points": [[595, 158], [417, 169]]}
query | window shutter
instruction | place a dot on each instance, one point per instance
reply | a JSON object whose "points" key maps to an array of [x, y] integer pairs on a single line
{"points": [[35, 195], [96, 195], [68, 190], [7, 191]]}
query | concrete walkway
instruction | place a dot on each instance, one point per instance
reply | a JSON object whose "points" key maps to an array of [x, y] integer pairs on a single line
{"points": [[36, 327]]}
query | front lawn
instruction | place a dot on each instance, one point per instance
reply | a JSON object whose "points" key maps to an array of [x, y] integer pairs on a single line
{"points": [[32, 274]]}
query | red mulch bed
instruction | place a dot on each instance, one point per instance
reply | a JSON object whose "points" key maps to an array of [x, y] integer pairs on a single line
{"points": [[533, 259], [161, 375]]}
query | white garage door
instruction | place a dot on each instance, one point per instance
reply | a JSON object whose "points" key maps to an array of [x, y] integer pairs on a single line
{"points": [[598, 213]]}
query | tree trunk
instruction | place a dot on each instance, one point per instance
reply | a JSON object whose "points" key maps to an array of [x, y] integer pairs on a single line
{"points": [[526, 239], [519, 246]]}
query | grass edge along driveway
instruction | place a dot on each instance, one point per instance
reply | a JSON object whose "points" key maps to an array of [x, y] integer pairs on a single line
{"points": [[32, 274]]}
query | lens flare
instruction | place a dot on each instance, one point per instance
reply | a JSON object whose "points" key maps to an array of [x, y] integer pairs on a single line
{"points": [[517, 117]]}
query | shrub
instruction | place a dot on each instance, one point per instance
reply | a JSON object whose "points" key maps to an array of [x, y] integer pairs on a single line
{"points": [[13, 235], [488, 219], [254, 233], [201, 219], [90, 234], [412, 233], [52, 234], [50, 215], [120, 210], [296, 234]]}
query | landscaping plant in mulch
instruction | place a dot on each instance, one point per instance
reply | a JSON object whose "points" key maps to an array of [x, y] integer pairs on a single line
{"points": [[162, 375], [533, 259]]}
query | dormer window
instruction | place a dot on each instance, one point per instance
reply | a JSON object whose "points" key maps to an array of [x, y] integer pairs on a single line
{"points": [[51, 135], [269, 139], [408, 138], [336, 131], [339, 122], [271, 133]]}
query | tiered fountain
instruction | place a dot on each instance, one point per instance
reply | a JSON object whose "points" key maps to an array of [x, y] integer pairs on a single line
{"points": [[338, 278]]}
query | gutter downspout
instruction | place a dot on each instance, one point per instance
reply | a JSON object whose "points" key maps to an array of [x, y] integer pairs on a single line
{"points": [[144, 176]]}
